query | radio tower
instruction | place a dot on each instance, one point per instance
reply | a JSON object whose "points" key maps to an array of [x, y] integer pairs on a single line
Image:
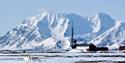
{"points": [[72, 34]]}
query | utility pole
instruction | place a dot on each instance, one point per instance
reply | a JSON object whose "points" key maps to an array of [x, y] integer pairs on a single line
{"points": [[72, 34]]}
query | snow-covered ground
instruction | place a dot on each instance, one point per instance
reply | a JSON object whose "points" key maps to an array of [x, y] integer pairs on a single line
{"points": [[62, 57]]}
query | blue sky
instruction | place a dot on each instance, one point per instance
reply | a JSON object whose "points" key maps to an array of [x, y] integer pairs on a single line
{"points": [[12, 12]]}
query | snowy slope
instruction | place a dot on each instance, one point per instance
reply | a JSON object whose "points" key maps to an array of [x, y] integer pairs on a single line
{"points": [[112, 38], [41, 31], [53, 31]]}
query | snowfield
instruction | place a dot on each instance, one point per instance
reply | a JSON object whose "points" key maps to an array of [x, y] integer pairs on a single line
{"points": [[62, 57]]}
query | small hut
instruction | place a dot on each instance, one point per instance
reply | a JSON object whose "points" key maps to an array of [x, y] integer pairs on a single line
{"points": [[92, 47], [121, 47]]}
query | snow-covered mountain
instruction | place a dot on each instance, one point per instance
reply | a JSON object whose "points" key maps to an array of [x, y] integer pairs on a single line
{"points": [[53, 31], [112, 38]]}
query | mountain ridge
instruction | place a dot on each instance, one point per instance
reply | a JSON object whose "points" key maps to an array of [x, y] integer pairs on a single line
{"points": [[38, 31]]}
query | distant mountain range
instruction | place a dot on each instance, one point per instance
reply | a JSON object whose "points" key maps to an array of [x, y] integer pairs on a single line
{"points": [[53, 31]]}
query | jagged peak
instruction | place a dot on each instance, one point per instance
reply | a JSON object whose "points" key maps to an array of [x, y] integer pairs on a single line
{"points": [[33, 20], [102, 14], [99, 16]]}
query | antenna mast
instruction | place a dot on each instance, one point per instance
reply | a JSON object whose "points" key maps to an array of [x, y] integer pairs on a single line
{"points": [[72, 34]]}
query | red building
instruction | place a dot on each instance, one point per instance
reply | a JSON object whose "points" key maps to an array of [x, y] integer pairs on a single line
{"points": [[121, 47]]}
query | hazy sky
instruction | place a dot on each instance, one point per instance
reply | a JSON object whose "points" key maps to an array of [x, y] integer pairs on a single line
{"points": [[12, 12]]}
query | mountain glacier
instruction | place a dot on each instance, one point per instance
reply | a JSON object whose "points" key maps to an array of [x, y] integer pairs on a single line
{"points": [[53, 31]]}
